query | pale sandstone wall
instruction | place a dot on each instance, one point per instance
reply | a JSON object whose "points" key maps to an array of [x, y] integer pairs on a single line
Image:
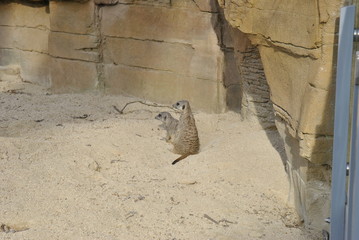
{"points": [[74, 45], [149, 49], [255, 92], [24, 40], [296, 42], [153, 49], [159, 50]]}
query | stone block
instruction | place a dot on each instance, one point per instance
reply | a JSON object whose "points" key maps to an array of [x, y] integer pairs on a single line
{"points": [[232, 75], [232, 81], [20, 15], [10, 73], [272, 18], [317, 149], [287, 76], [72, 17], [23, 38], [312, 200], [9, 57], [174, 57], [109, 2], [72, 76], [7, 36], [318, 203], [164, 3], [310, 181], [207, 5], [189, 5], [160, 24], [233, 96], [165, 87], [34, 67], [74, 46], [317, 113]]}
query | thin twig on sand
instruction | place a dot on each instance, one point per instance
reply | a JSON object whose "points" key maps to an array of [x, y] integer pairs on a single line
{"points": [[211, 219], [81, 117], [142, 102]]}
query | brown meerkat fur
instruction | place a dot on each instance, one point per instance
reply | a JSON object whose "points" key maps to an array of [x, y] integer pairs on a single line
{"points": [[185, 141], [169, 123]]}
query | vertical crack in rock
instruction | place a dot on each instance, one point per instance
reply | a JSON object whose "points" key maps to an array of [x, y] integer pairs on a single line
{"points": [[100, 64], [256, 94]]}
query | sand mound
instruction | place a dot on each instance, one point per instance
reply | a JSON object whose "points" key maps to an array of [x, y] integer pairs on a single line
{"points": [[72, 167]]}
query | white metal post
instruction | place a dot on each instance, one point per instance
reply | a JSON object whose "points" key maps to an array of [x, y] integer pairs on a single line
{"points": [[341, 122], [352, 218]]}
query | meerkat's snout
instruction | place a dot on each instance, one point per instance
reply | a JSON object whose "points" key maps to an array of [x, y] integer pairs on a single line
{"points": [[180, 105], [159, 116], [163, 116]]}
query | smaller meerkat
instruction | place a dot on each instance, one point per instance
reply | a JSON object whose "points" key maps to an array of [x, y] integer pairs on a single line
{"points": [[169, 123], [185, 141]]}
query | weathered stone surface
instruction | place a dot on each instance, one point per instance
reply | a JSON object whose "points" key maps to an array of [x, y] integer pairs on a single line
{"points": [[190, 5], [287, 77], [162, 55], [318, 192], [72, 76], [316, 148], [72, 17], [24, 40], [158, 24], [10, 73], [34, 66], [179, 38], [296, 43], [164, 86], [109, 2], [19, 15], [255, 99], [310, 182], [74, 46], [18, 38], [232, 82], [179, 58], [167, 3], [206, 5], [270, 19], [234, 95]]}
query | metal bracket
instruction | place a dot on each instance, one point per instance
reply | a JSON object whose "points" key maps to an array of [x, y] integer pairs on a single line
{"points": [[325, 235], [356, 35]]}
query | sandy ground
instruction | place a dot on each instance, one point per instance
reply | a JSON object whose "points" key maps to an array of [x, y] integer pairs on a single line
{"points": [[71, 167]]}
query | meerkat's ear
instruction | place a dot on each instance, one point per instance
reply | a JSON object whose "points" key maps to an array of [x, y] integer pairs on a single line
{"points": [[165, 117], [183, 107]]}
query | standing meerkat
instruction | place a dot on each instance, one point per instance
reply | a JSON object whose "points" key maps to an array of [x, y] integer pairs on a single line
{"points": [[185, 141], [169, 123]]}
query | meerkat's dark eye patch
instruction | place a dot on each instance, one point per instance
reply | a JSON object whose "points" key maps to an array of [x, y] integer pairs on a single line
{"points": [[177, 104], [159, 115]]}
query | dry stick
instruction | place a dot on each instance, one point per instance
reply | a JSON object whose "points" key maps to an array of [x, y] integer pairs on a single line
{"points": [[147, 104], [211, 219]]}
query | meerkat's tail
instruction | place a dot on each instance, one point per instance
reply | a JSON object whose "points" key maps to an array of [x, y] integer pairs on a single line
{"points": [[180, 158]]}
